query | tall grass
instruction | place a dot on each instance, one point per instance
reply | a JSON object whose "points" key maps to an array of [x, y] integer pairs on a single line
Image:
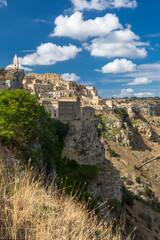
{"points": [[31, 211]]}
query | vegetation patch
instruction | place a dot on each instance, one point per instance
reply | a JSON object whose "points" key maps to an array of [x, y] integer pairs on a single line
{"points": [[137, 121], [147, 191], [138, 180], [123, 112], [112, 153], [75, 177], [129, 198], [27, 128]]}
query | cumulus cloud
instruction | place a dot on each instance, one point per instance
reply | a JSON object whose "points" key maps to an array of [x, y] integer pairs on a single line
{"points": [[103, 4], [138, 81], [118, 66], [144, 94], [76, 27], [129, 92], [70, 77], [3, 3], [21, 67], [126, 92], [150, 71], [49, 54], [121, 43]]}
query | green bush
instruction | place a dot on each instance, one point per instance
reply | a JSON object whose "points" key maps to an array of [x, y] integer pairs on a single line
{"points": [[28, 128], [123, 112], [138, 180], [127, 197], [147, 191], [112, 153]]}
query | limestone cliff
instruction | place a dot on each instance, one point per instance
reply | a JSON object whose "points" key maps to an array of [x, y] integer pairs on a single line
{"points": [[83, 145], [11, 79]]}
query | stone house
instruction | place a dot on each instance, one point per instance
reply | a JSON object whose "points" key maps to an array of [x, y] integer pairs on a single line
{"points": [[87, 113]]}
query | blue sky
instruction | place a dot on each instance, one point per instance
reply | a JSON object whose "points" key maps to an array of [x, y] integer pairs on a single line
{"points": [[111, 44]]}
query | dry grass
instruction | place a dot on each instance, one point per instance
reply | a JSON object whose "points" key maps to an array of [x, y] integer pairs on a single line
{"points": [[28, 210]]}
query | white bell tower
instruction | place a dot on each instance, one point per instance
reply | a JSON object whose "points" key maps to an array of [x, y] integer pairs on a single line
{"points": [[15, 62]]}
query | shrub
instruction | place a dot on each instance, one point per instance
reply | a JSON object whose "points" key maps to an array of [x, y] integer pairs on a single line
{"points": [[112, 153], [138, 180], [127, 197], [123, 112], [135, 167], [147, 191]]}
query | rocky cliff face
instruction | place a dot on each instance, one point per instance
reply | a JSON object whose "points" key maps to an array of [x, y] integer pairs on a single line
{"points": [[83, 145], [11, 79], [151, 109]]}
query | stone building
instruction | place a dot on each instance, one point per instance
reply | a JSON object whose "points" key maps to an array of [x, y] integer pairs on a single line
{"points": [[52, 106], [87, 113], [69, 109]]}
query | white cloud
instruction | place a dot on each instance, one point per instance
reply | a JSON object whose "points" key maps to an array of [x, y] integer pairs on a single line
{"points": [[119, 66], [3, 3], [138, 81], [154, 35], [144, 94], [125, 93], [77, 28], [70, 77], [21, 67], [103, 4], [150, 71], [121, 43], [129, 92], [49, 54]]}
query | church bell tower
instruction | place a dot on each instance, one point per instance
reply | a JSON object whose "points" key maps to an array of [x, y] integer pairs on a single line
{"points": [[15, 62]]}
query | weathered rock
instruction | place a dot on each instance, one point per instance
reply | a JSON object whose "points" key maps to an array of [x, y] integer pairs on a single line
{"points": [[146, 130], [108, 185], [149, 109], [11, 79], [83, 144]]}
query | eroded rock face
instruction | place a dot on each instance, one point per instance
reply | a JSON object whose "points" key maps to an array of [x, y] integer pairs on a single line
{"points": [[83, 144], [108, 185], [11, 79], [125, 135], [149, 109], [146, 130]]}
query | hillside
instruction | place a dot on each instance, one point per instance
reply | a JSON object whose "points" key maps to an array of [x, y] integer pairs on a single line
{"points": [[130, 142], [95, 160], [31, 210]]}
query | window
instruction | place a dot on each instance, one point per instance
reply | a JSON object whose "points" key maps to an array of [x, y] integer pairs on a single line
{"points": [[75, 115]]}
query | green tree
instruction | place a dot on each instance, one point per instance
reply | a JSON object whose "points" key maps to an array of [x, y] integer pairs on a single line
{"points": [[26, 126]]}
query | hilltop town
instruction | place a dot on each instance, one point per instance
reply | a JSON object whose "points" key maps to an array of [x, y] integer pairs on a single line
{"points": [[119, 136], [65, 100]]}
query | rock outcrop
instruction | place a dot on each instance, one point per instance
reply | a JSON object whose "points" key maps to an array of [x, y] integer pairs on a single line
{"points": [[11, 79], [151, 109], [83, 144], [147, 131]]}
